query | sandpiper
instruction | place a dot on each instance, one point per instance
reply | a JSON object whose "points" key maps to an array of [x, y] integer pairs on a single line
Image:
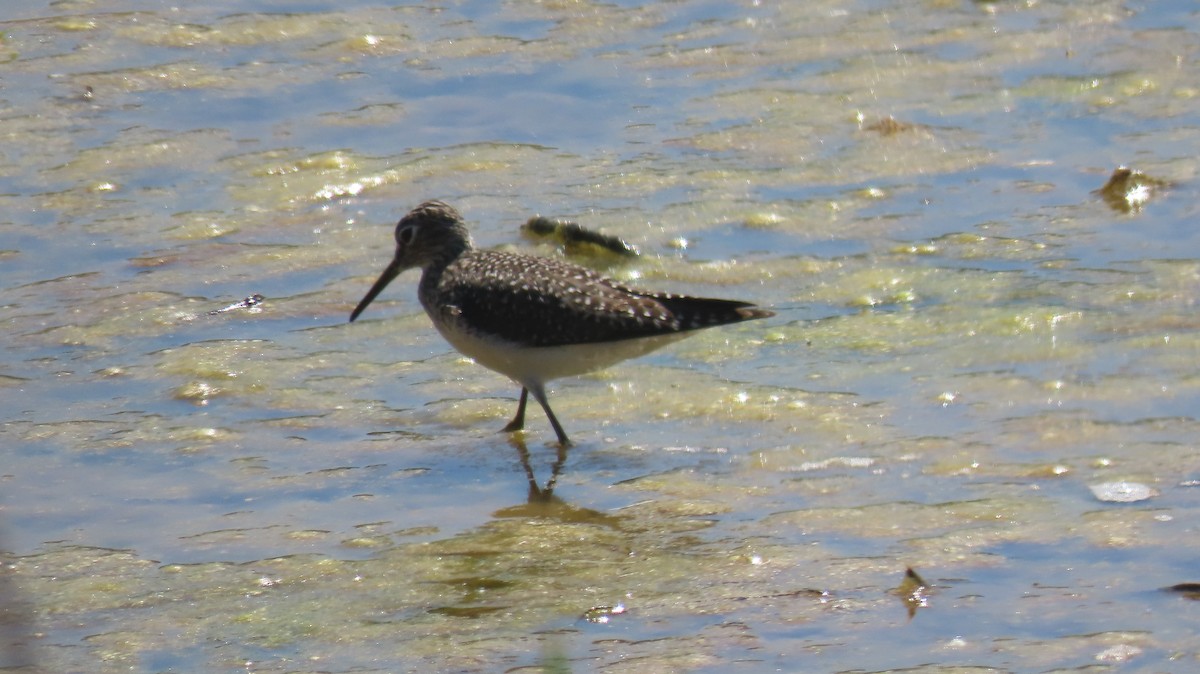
{"points": [[535, 319]]}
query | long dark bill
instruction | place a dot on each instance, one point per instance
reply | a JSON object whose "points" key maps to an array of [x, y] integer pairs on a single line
{"points": [[392, 271]]}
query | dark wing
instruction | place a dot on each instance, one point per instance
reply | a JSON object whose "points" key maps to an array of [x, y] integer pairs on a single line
{"points": [[546, 302]]}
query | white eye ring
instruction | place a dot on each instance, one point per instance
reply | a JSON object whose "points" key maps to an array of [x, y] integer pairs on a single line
{"points": [[405, 235]]}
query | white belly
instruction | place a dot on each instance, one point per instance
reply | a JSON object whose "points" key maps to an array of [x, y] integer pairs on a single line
{"points": [[530, 365]]}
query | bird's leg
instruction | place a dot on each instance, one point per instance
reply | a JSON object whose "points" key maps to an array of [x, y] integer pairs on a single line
{"points": [[540, 394], [518, 421]]}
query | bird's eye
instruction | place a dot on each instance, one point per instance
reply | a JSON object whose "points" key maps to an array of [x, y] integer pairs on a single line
{"points": [[405, 235]]}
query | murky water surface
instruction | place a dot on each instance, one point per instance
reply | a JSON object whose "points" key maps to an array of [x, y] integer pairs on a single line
{"points": [[981, 367]]}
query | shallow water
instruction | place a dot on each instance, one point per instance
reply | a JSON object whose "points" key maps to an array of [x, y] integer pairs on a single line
{"points": [[969, 342]]}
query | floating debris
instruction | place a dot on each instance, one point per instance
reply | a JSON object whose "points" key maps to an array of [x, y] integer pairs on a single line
{"points": [[1118, 653], [1127, 190], [572, 236], [250, 303], [763, 219], [890, 126], [1188, 590], [1122, 492], [601, 615], [913, 591]]}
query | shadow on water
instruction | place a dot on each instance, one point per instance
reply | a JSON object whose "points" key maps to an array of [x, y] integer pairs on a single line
{"points": [[16, 615]]}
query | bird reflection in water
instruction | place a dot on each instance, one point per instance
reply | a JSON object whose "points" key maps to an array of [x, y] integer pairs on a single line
{"points": [[540, 501]]}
